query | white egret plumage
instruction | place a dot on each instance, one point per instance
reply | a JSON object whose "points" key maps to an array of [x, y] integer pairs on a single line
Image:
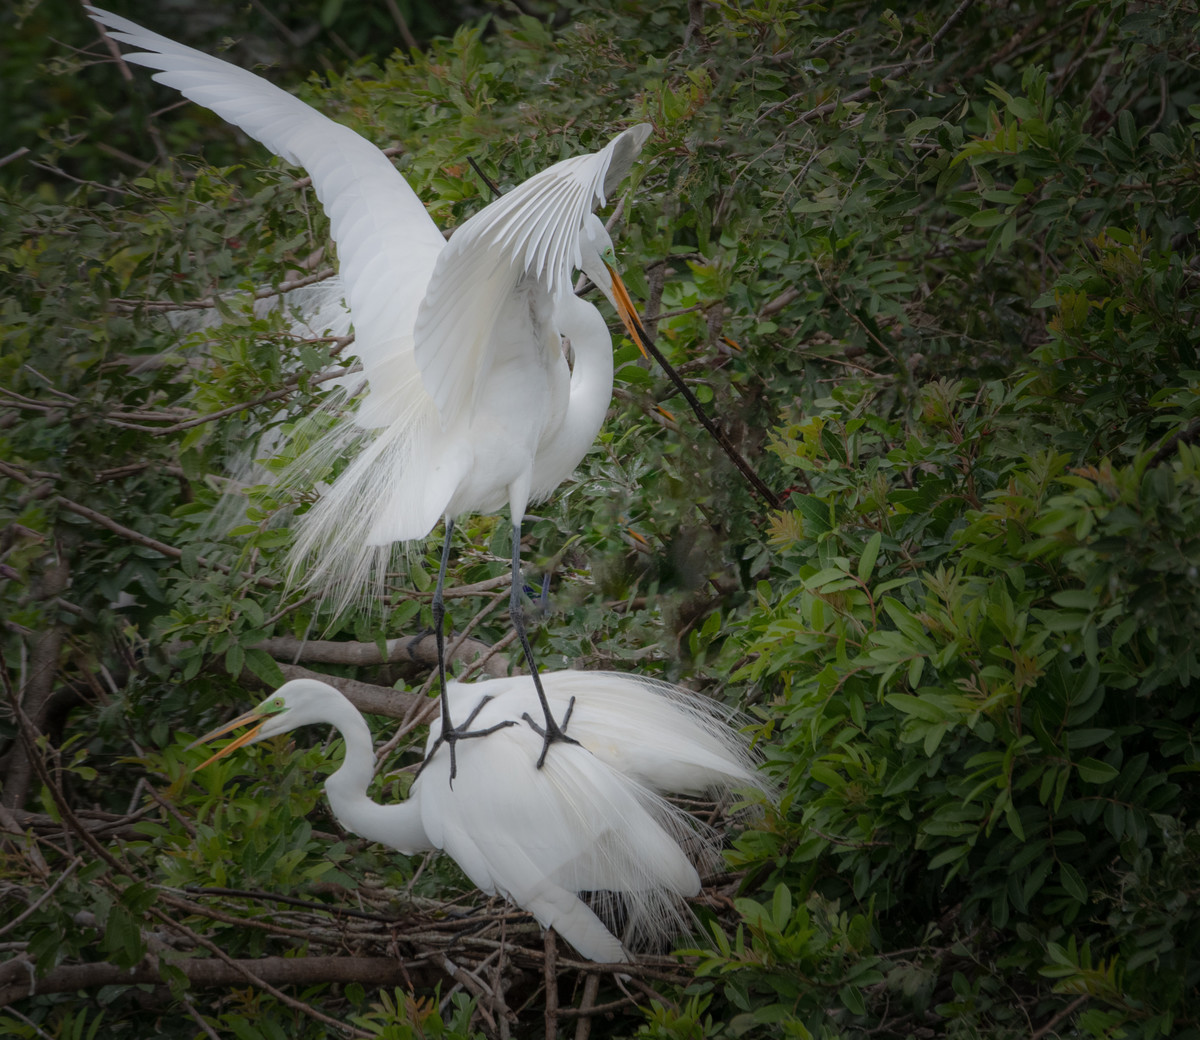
{"points": [[471, 404], [591, 821]]}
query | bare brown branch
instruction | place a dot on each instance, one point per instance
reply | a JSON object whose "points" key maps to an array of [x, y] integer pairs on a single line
{"points": [[420, 650], [41, 677]]}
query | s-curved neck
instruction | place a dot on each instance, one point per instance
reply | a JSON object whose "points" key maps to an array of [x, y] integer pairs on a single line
{"points": [[591, 376], [397, 826]]}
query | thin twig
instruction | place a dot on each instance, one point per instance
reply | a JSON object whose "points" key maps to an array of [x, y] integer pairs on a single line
{"points": [[128, 532], [1070, 1009], [718, 434], [209, 302], [277, 897], [410, 41], [32, 907], [491, 184], [190, 1008], [233, 409], [252, 978]]}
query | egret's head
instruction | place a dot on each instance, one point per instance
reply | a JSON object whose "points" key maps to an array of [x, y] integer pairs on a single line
{"points": [[594, 238], [295, 703], [599, 263]]}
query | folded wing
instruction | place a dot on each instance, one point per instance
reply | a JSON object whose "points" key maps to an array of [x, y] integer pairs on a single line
{"points": [[530, 233], [540, 837]]}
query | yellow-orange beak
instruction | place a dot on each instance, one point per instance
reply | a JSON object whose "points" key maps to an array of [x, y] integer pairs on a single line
{"points": [[628, 313], [246, 738]]}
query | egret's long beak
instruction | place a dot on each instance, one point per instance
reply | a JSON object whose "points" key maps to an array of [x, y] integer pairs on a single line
{"points": [[248, 737], [628, 313]]}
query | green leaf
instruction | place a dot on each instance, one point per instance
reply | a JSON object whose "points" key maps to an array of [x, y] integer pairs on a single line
{"points": [[866, 562], [265, 667], [852, 998], [921, 125], [1077, 599], [987, 218], [1073, 883], [1096, 772], [330, 9], [814, 511], [781, 906], [235, 659]]}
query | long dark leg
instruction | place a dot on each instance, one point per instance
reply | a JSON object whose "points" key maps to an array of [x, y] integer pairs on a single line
{"points": [[450, 735], [550, 731], [439, 630]]}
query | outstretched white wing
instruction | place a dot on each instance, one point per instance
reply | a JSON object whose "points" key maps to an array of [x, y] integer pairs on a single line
{"points": [[387, 244], [532, 232], [427, 316]]}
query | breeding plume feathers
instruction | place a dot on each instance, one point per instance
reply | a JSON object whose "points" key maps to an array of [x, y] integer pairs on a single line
{"points": [[587, 844], [460, 343]]}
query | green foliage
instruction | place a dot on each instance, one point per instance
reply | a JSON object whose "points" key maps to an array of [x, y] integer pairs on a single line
{"points": [[782, 957], [402, 1016], [941, 289], [64, 100], [982, 607]]}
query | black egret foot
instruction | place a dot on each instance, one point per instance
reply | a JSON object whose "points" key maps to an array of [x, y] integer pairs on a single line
{"points": [[550, 736], [452, 736]]}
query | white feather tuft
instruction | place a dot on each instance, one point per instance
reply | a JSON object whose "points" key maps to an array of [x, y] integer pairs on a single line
{"points": [[637, 856]]}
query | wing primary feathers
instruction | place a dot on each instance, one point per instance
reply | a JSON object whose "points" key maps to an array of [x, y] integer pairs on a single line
{"points": [[427, 356], [539, 223]]}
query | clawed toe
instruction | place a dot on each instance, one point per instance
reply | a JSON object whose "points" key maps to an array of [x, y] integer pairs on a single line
{"points": [[552, 732], [462, 731]]}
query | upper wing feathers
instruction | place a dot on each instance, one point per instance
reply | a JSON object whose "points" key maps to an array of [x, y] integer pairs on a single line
{"points": [[382, 230], [626, 148], [530, 233]]}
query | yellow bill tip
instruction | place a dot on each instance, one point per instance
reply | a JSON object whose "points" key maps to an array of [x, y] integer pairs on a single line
{"points": [[628, 312], [246, 738]]}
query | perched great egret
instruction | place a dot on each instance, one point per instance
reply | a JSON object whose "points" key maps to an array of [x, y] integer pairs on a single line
{"points": [[471, 404], [591, 821]]}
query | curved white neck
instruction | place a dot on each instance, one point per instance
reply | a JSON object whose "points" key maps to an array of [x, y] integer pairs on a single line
{"points": [[591, 375], [397, 826]]}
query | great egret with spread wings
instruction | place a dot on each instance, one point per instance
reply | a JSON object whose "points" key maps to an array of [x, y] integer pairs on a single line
{"points": [[591, 821], [471, 403]]}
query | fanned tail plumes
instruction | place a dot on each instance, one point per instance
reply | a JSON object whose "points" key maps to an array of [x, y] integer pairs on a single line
{"points": [[705, 752], [303, 312], [333, 551], [658, 851], [337, 549]]}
